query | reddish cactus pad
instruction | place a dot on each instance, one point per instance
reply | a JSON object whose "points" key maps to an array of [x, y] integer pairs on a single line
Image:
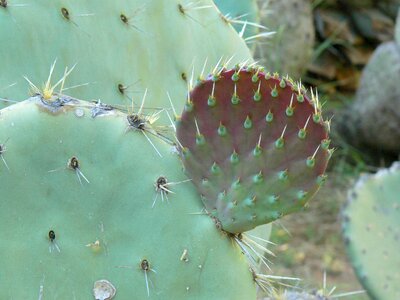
{"points": [[254, 145]]}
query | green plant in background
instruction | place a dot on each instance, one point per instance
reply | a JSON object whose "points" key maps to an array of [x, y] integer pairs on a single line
{"points": [[371, 232]]}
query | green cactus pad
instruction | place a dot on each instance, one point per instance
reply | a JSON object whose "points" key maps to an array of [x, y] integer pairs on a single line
{"points": [[121, 47], [259, 169], [371, 229], [79, 215]]}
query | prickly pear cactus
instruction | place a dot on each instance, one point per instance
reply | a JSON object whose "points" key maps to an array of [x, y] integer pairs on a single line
{"points": [[120, 47], [89, 209], [254, 145], [371, 229]]}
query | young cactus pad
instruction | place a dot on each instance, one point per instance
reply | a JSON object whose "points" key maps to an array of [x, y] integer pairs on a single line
{"points": [[87, 205], [254, 145], [120, 47], [371, 229]]}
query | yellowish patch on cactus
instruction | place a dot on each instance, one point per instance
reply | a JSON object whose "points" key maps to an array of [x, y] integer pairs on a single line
{"points": [[47, 92]]}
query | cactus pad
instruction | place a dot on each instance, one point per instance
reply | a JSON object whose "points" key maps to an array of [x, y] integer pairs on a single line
{"points": [[371, 229], [80, 217], [118, 46], [254, 145]]}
